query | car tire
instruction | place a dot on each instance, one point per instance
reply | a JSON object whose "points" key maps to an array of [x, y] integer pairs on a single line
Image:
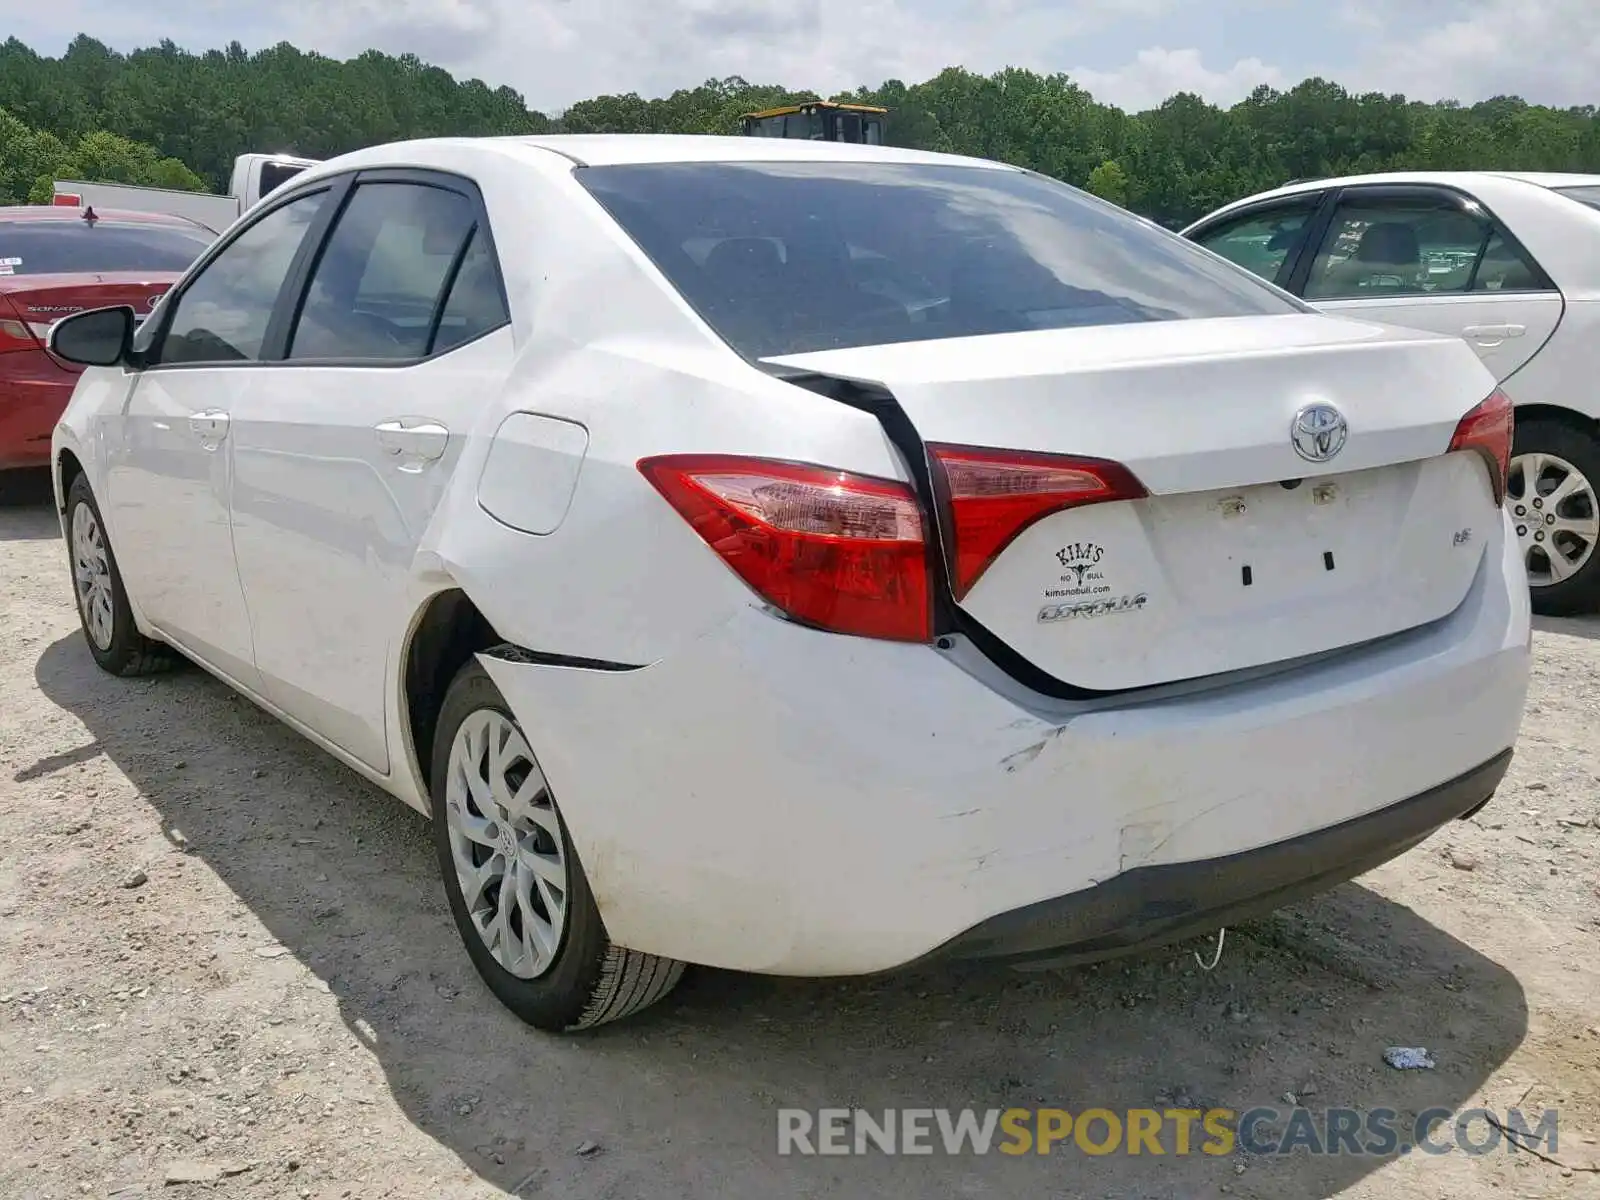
{"points": [[102, 601], [1554, 451], [544, 953]]}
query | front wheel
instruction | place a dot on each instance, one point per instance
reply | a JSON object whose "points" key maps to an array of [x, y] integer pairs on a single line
{"points": [[1551, 497], [517, 891], [103, 608]]}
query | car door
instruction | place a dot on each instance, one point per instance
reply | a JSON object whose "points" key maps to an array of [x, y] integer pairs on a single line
{"points": [[342, 453], [1267, 238], [1431, 258], [167, 469]]}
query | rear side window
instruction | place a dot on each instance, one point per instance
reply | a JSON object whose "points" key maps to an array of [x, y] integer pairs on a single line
{"points": [[785, 258], [1503, 269], [385, 279], [476, 303], [72, 247], [1413, 246]]}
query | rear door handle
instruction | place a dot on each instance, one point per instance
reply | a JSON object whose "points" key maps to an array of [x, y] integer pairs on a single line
{"points": [[1494, 333], [413, 440], [209, 425]]}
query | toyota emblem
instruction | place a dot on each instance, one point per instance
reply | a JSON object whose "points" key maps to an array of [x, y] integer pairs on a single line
{"points": [[1318, 432]]}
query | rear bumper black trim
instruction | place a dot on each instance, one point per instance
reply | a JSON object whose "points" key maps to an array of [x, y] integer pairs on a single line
{"points": [[1152, 906]]}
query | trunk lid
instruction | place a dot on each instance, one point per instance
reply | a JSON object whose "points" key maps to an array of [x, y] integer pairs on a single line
{"points": [[1244, 552], [42, 300]]}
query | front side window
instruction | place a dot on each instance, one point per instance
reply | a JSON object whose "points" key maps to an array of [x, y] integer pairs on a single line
{"points": [[785, 258], [381, 276], [60, 246], [1260, 241], [222, 314], [1405, 247]]}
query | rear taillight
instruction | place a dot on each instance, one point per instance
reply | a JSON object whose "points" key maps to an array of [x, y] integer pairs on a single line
{"points": [[843, 552], [14, 331], [1487, 429], [993, 495]]}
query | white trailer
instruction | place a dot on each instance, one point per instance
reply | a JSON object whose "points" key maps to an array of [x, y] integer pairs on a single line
{"points": [[254, 176]]}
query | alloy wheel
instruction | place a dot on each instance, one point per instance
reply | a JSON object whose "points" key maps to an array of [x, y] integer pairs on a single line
{"points": [[91, 576], [506, 844], [1552, 505]]}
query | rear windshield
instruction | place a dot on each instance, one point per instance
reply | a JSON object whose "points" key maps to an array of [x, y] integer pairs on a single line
{"points": [[1589, 194], [72, 247], [274, 175], [785, 258]]}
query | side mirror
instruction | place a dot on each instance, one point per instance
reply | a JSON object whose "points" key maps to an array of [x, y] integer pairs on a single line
{"points": [[100, 337]]}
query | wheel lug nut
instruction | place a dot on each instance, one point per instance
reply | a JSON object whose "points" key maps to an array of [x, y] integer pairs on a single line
{"points": [[1549, 518], [1522, 510], [1538, 503], [1522, 531], [1539, 536]]}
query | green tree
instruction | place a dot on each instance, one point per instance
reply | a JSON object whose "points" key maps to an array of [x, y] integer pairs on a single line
{"points": [[32, 160], [1109, 182], [193, 112]]}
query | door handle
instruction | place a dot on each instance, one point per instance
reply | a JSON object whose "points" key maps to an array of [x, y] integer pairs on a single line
{"points": [[413, 440], [209, 425], [1493, 333]]}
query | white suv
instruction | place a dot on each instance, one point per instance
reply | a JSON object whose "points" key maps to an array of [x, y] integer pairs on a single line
{"points": [[1509, 262], [804, 558]]}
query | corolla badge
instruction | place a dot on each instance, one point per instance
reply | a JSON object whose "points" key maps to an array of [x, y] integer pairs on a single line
{"points": [[1088, 609], [1318, 432]]}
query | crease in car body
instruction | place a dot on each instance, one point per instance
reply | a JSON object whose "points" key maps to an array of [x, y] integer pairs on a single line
{"points": [[619, 881]]}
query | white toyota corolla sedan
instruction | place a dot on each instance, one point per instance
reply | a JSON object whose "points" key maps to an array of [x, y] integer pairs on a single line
{"points": [[1511, 263], [804, 558]]}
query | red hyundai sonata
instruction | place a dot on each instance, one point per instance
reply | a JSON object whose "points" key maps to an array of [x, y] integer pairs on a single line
{"points": [[55, 261]]}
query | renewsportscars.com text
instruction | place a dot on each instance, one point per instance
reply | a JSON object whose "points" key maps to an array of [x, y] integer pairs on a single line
{"points": [[1178, 1132]]}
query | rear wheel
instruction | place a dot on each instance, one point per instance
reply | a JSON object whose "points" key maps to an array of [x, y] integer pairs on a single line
{"points": [[103, 609], [517, 891], [1551, 496]]}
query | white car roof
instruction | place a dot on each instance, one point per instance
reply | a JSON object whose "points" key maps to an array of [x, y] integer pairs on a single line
{"points": [[1550, 179], [1467, 180], [612, 149], [615, 149]]}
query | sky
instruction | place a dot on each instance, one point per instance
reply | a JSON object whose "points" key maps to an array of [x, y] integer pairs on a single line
{"points": [[1132, 53]]}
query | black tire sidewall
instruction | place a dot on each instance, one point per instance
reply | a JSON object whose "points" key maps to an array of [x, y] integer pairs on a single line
{"points": [[127, 643], [556, 1000], [1580, 594]]}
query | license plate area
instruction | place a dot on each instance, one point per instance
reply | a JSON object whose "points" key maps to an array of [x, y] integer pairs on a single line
{"points": [[1253, 545]]}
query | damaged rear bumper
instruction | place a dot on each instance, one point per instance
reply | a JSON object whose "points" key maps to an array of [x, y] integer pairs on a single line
{"points": [[774, 799], [1154, 905]]}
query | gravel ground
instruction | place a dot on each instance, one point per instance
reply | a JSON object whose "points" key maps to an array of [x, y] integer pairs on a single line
{"points": [[225, 959]]}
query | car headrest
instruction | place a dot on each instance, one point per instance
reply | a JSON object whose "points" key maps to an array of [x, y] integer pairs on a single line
{"points": [[1389, 242]]}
